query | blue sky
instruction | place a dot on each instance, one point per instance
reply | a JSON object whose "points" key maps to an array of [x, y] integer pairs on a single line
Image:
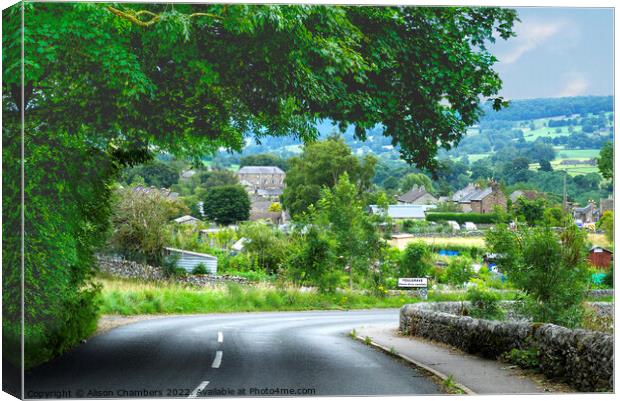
{"points": [[557, 52]]}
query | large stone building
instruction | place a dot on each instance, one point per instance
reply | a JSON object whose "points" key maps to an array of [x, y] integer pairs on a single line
{"points": [[256, 178]]}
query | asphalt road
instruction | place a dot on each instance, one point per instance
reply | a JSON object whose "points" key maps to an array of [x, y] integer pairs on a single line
{"points": [[252, 354]]}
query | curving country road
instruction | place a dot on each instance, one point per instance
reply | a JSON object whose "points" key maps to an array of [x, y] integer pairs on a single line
{"points": [[252, 354]]}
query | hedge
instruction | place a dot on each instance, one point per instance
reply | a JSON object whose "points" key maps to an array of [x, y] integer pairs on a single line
{"points": [[480, 218]]}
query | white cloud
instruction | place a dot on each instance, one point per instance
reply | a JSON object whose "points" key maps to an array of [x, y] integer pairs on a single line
{"points": [[530, 35], [575, 84]]}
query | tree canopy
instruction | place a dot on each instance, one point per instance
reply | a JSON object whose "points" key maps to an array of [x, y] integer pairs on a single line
{"points": [[227, 204], [320, 165], [195, 77]]}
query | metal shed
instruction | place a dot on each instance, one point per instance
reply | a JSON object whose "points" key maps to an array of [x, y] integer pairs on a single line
{"points": [[188, 260]]}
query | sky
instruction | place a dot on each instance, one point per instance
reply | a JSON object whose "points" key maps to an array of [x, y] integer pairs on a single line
{"points": [[557, 52]]}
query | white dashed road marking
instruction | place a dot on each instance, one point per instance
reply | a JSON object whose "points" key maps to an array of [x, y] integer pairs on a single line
{"points": [[220, 337], [198, 389], [218, 360]]}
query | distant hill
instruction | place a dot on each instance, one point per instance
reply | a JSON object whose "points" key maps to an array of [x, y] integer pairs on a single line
{"points": [[529, 109], [582, 124]]}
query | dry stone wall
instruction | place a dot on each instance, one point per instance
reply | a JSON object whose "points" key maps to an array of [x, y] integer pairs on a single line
{"points": [[127, 269], [580, 357]]}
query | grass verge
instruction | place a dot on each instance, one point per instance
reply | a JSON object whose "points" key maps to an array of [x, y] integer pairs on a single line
{"points": [[134, 297]]}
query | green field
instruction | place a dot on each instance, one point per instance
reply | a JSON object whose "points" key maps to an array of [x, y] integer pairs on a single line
{"points": [[577, 153]]}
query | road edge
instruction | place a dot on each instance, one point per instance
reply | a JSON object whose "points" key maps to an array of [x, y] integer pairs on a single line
{"points": [[418, 364]]}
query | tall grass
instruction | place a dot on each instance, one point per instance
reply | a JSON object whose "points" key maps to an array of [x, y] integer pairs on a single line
{"points": [[132, 297]]}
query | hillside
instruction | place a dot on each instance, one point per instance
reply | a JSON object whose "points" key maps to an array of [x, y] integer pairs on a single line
{"points": [[576, 127], [529, 145]]}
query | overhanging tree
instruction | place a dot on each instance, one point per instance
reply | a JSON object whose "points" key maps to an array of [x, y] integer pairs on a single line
{"points": [[124, 80]]}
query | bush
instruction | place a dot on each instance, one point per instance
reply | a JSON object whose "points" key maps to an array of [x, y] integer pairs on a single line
{"points": [[461, 218], [484, 303], [200, 268], [312, 261], [169, 265], [459, 271], [227, 204], [266, 244], [528, 358], [550, 269], [415, 260]]}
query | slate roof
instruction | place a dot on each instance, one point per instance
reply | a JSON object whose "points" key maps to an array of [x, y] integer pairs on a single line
{"points": [[461, 193], [413, 194], [260, 170], [481, 194]]}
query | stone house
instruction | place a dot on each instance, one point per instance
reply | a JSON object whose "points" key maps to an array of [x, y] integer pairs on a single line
{"points": [[483, 200], [586, 214], [417, 196], [261, 177]]}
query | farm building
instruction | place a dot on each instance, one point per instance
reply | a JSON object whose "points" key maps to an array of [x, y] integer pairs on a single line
{"points": [[600, 257], [189, 260]]}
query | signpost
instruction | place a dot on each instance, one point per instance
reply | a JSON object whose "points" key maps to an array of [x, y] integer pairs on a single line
{"points": [[421, 283]]}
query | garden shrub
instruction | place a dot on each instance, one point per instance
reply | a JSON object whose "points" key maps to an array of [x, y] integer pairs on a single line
{"points": [[200, 268], [170, 265], [415, 260], [459, 271], [484, 303], [528, 358], [550, 268]]}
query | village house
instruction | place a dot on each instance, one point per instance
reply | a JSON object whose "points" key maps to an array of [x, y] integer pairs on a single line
{"points": [[587, 214], [260, 209], [417, 196], [481, 200], [255, 178]]}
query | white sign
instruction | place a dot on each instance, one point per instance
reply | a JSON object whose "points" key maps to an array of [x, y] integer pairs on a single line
{"points": [[415, 282]]}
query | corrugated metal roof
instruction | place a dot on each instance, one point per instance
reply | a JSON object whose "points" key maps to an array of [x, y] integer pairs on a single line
{"points": [[189, 260], [186, 218], [404, 211], [260, 170]]}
